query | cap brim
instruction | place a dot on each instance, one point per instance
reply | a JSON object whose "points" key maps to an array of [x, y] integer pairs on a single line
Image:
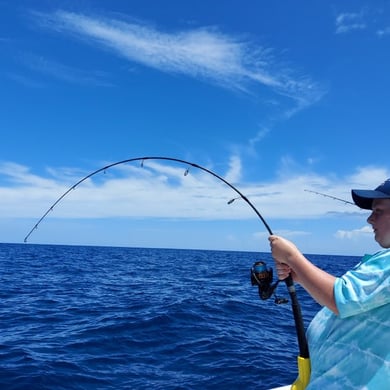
{"points": [[364, 198]]}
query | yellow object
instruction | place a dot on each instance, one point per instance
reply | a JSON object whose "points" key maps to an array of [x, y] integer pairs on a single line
{"points": [[303, 374]]}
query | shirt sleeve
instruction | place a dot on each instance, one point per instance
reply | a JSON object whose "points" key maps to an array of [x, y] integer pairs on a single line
{"points": [[365, 287]]}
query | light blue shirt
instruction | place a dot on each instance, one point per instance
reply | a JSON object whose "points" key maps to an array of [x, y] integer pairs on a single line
{"points": [[352, 350]]}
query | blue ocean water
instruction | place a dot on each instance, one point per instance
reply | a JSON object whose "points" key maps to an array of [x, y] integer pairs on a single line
{"points": [[74, 317]]}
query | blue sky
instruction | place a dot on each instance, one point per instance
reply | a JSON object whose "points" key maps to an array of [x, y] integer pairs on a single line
{"points": [[276, 97]]}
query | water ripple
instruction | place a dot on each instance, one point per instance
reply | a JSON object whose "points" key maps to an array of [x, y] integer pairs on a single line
{"points": [[113, 318]]}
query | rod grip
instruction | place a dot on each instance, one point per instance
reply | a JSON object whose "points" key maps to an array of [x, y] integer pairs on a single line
{"points": [[299, 326]]}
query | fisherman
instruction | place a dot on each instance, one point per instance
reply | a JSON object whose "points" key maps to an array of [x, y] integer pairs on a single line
{"points": [[349, 339]]}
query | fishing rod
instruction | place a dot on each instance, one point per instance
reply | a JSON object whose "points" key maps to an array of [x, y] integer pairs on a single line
{"points": [[143, 159], [303, 358], [332, 197]]}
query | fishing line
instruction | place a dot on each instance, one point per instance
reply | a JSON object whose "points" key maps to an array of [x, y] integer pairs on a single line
{"points": [[303, 347]]}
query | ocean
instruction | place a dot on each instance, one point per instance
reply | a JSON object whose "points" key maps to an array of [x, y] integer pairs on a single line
{"points": [[83, 317]]}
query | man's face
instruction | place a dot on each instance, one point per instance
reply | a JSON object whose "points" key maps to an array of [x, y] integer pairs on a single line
{"points": [[380, 221]]}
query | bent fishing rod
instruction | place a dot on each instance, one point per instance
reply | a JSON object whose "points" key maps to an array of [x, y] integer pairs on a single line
{"points": [[143, 159], [303, 358]]}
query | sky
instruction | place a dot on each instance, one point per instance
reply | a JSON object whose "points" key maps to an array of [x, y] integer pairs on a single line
{"points": [[287, 101]]}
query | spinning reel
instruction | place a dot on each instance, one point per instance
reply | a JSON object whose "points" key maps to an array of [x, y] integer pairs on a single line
{"points": [[262, 276]]}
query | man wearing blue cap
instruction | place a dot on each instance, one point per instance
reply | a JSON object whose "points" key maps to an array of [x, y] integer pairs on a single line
{"points": [[349, 339]]}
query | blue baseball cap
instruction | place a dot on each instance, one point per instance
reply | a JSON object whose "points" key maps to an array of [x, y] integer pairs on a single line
{"points": [[364, 198]]}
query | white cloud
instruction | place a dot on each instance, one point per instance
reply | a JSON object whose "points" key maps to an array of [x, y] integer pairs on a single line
{"points": [[347, 22], [203, 53], [19, 174], [63, 72], [234, 173], [261, 134], [384, 31], [163, 190], [368, 177], [354, 234], [371, 18], [24, 80]]}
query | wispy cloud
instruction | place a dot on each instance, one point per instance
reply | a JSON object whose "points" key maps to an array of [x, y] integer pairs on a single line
{"points": [[234, 173], [18, 174], [24, 80], [261, 134], [347, 22], [384, 31], [69, 74], [371, 18], [204, 53]]}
